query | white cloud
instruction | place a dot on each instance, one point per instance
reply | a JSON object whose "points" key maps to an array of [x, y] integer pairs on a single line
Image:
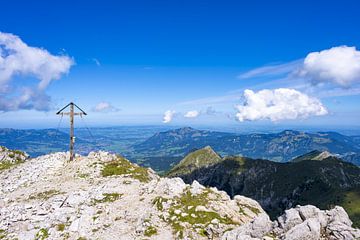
{"points": [[192, 114], [278, 104], [168, 116], [271, 70], [19, 59], [105, 107], [339, 65]]}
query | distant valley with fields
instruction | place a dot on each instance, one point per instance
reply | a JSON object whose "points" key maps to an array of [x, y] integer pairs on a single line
{"points": [[160, 148]]}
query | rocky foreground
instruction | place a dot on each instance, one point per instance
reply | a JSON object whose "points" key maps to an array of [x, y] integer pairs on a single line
{"points": [[104, 196]]}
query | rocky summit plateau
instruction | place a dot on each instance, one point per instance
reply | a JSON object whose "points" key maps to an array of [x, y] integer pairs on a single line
{"points": [[104, 196]]}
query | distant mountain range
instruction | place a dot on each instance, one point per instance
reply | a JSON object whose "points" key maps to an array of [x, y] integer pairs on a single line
{"points": [[316, 178], [153, 147], [38, 142], [278, 147]]}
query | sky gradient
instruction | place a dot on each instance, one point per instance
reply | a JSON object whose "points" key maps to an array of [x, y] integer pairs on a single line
{"points": [[133, 61]]}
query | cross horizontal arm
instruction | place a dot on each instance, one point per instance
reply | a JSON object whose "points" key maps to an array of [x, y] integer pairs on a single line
{"points": [[67, 113]]}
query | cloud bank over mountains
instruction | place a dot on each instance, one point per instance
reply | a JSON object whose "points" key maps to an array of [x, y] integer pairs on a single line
{"points": [[278, 104], [18, 60]]}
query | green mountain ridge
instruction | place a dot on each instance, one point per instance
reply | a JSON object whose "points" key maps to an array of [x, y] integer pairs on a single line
{"points": [[278, 147], [313, 156], [279, 186], [204, 157]]}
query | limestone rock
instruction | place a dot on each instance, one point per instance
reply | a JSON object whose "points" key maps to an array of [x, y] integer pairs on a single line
{"points": [[50, 196]]}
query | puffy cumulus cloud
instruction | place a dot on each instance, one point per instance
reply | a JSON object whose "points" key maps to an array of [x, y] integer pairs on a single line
{"points": [[19, 59], [340, 65], [191, 114], [105, 107], [168, 116], [278, 104]]}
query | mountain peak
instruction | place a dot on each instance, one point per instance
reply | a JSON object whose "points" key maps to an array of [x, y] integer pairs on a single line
{"points": [[315, 155], [201, 158]]}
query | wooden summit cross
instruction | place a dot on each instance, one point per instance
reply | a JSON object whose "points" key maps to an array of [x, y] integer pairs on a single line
{"points": [[71, 114]]}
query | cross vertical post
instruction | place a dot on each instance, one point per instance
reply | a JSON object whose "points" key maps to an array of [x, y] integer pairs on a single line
{"points": [[72, 139]]}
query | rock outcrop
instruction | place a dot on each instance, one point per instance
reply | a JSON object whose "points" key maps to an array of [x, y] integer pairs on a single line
{"points": [[11, 156], [104, 196], [299, 223]]}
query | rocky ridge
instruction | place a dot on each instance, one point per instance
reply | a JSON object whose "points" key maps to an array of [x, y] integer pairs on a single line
{"points": [[12, 156], [104, 196]]}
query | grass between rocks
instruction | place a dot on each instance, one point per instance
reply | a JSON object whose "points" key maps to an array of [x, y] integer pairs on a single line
{"points": [[253, 209], [2, 234], [42, 234], [351, 203], [182, 212], [121, 166], [60, 227], [45, 195], [108, 197], [7, 165], [149, 231]]}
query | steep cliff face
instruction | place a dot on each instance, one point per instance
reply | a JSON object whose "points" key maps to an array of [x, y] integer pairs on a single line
{"points": [[325, 182], [104, 196]]}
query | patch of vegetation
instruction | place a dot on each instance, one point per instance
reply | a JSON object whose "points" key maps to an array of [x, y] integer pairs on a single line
{"points": [[203, 233], [351, 203], [42, 234], [158, 202], [7, 164], [45, 195], [81, 238], [84, 175], [150, 231], [183, 210], [60, 227], [108, 197], [121, 166], [253, 209], [2, 234]]}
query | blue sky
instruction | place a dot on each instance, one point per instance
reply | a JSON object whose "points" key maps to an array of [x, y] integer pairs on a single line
{"points": [[143, 58]]}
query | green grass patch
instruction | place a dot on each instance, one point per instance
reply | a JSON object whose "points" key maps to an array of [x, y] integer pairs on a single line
{"points": [[45, 195], [84, 175], [158, 202], [183, 210], [2, 234], [253, 209], [60, 227], [121, 166], [108, 197], [150, 231], [42, 234], [6, 164], [351, 204]]}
